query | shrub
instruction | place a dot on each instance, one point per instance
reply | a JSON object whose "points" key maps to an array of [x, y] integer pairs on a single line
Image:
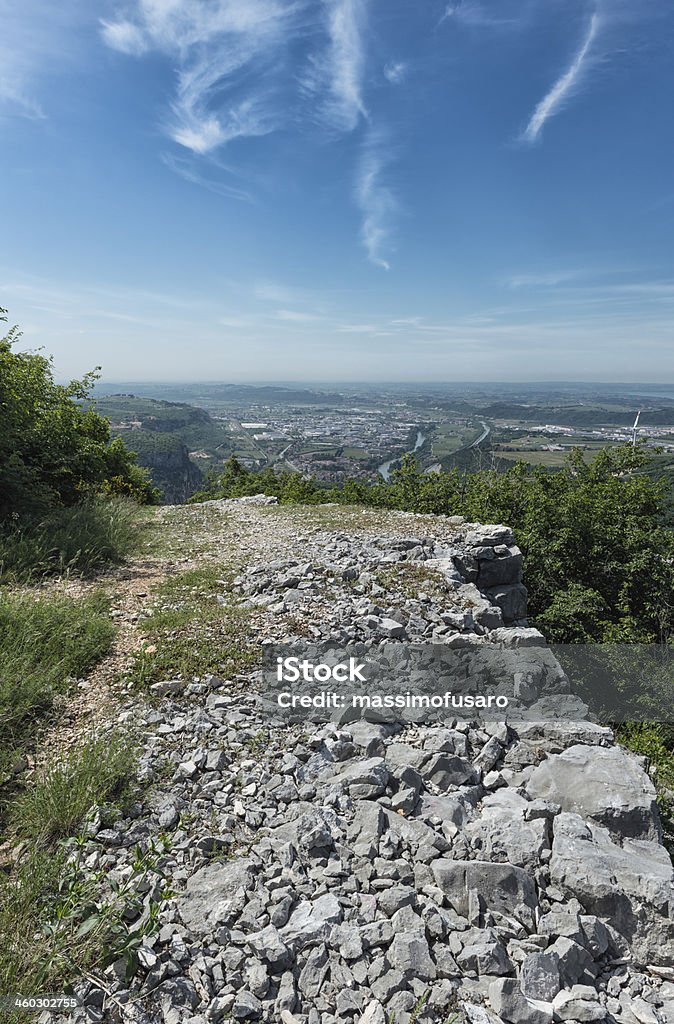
{"points": [[53, 449]]}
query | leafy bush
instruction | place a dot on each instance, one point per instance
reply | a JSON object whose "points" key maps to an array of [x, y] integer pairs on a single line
{"points": [[77, 540], [53, 450]]}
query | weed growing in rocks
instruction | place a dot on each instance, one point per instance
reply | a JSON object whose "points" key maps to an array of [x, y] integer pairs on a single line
{"points": [[57, 802], [194, 630], [61, 915]]}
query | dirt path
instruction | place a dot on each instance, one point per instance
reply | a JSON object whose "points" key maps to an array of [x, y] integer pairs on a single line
{"points": [[183, 538]]}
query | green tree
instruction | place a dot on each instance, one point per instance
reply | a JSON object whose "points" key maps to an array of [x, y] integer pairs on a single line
{"points": [[54, 451]]}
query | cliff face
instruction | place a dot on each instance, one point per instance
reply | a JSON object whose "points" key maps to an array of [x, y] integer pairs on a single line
{"points": [[169, 463], [174, 473]]}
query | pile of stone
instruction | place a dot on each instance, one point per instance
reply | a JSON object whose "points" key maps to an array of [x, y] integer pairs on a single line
{"points": [[480, 565], [504, 888], [375, 873]]}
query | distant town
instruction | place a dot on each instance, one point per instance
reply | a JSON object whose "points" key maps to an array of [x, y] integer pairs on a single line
{"points": [[363, 433]]}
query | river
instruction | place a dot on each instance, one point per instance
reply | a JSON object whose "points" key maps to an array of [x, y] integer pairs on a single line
{"points": [[385, 468]]}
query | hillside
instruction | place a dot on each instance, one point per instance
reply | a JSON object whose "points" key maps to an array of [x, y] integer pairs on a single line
{"points": [[162, 434], [168, 460], [302, 871]]}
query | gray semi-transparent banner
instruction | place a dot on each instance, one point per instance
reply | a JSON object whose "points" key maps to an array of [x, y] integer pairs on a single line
{"points": [[608, 684]]}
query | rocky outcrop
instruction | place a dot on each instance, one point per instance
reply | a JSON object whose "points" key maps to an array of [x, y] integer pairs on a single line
{"points": [[485, 872], [168, 462]]}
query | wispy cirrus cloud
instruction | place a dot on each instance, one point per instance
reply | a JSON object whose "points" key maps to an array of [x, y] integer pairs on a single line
{"points": [[214, 45], [235, 80], [335, 68], [479, 15], [565, 86], [189, 169], [376, 199], [296, 316], [544, 280], [346, 61], [37, 37]]}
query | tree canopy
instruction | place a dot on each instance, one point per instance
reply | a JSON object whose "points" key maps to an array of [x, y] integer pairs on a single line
{"points": [[53, 450], [599, 557]]}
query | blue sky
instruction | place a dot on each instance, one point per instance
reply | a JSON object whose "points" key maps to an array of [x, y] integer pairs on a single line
{"points": [[340, 189]]}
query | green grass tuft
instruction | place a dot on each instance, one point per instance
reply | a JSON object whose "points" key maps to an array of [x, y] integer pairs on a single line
{"points": [[45, 643], [54, 921], [57, 802], [77, 540]]}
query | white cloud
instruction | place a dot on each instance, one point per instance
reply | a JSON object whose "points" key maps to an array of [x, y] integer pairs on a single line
{"points": [[376, 201], [335, 72], [346, 61], [125, 37], [564, 87], [477, 15], [18, 102], [234, 80], [214, 43], [272, 291], [295, 316], [548, 280], [187, 168], [395, 72]]}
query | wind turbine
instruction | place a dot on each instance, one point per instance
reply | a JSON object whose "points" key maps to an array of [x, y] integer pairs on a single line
{"points": [[634, 430]]}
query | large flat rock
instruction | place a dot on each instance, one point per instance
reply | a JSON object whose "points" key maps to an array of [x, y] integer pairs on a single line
{"points": [[216, 894], [504, 887], [605, 784]]}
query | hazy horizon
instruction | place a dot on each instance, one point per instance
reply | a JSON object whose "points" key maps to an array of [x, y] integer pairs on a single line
{"points": [[655, 387], [255, 190]]}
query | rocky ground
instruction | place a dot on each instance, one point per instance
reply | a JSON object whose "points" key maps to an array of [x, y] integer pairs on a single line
{"points": [[377, 873]]}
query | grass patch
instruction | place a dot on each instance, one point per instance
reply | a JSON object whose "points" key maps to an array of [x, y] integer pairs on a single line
{"points": [[77, 540], [411, 579], [194, 630], [45, 643], [56, 919], [57, 802], [185, 530]]}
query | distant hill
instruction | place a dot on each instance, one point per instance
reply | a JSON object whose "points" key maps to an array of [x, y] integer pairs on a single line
{"points": [[162, 434], [216, 394], [577, 415], [169, 463]]}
